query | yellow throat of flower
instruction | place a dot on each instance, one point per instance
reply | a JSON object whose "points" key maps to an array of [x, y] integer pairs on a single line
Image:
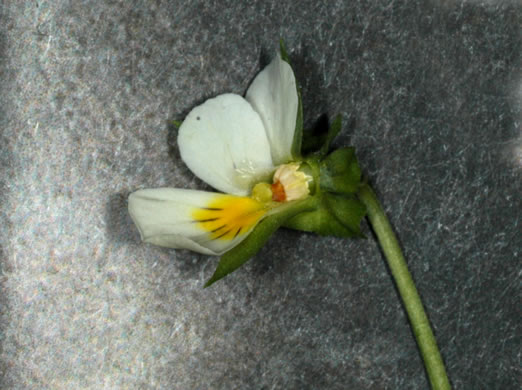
{"points": [[229, 216]]}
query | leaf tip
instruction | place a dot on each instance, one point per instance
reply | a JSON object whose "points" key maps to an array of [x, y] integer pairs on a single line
{"points": [[282, 50], [208, 283], [217, 275]]}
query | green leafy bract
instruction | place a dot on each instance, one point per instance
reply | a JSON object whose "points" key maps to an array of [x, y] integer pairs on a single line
{"points": [[336, 215], [334, 129], [240, 254], [338, 178], [340, 172]]}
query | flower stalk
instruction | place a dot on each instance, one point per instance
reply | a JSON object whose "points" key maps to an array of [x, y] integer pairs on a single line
{"points": [[407, 290]]}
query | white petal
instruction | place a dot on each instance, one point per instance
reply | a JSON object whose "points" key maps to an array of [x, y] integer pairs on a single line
{"points": [[224, 143], [177, 218], [273, 94]]}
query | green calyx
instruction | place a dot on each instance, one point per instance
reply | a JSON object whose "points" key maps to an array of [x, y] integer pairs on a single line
{"points": [[340, 172], [339, 212], [337, 178], [335, 215]]}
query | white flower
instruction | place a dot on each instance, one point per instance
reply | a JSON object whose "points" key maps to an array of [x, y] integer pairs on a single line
{"points": [[234, 144]]}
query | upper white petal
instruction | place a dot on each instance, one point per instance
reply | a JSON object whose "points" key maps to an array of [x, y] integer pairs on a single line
{"points": [[273, 94], [223, 141], [165, 217]]}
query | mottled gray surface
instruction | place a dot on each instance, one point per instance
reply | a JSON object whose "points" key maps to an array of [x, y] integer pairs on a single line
{"points": [[434, 90]]}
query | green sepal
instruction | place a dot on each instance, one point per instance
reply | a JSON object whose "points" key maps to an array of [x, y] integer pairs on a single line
{"points": [[240, 254], [337, 179], [317, 141], [348, 210], [340, 172], [298, 133], [334, 129], [312, 142], [336, 215], [284, 53], [177, 123]]}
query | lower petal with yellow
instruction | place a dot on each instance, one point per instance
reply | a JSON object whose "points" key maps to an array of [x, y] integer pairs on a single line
{"points": [[205, 222]]}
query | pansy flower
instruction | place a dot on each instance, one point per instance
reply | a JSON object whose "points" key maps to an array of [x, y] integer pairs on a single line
{"points": [[249, 149]]}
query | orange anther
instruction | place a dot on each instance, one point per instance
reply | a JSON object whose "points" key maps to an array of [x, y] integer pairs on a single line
{"points": [[278, 192]]}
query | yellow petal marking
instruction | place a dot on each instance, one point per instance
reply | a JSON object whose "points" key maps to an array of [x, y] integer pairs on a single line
{"points": [[228, 216]]}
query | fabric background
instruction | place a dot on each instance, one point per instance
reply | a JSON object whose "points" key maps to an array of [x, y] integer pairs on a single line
{"points": [[431, 94]]}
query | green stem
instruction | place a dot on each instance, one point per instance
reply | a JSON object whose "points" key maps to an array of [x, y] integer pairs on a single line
{"points": [[410, 297]]}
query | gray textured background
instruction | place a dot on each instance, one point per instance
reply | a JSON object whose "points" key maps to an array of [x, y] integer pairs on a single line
{"points": [[434, 90]]}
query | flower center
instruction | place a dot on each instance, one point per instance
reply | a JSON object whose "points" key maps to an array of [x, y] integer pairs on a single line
{"points": [[278, 192], [288, 184]]}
